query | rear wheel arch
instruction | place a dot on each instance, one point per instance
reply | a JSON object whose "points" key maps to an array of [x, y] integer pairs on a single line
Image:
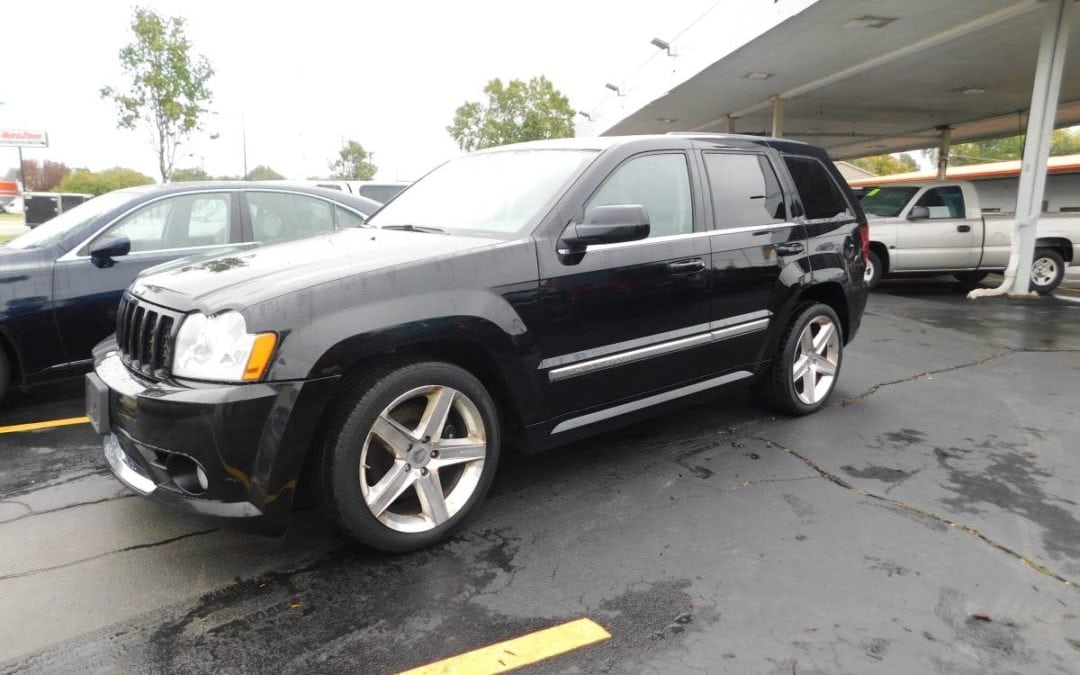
{"points": [[1061, 245], [832, 294]]}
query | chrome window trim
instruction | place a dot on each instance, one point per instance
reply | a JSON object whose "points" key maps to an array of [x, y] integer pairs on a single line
{"points": [[717, 333], [688, 235], [648, 401], [604, 350]]}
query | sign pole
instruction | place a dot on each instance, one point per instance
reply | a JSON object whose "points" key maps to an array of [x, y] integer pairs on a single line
{"points": [[22, 173]]}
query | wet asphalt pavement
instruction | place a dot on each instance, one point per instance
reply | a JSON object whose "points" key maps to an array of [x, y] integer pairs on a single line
{"points": [[928, 520]]}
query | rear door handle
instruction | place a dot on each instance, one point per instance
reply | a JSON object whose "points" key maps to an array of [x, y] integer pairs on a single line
{"points": [[790, 248], [687, 266], [963, 228]]}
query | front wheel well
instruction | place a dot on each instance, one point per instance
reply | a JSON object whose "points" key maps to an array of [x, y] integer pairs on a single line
{"points": [[882, 254]]}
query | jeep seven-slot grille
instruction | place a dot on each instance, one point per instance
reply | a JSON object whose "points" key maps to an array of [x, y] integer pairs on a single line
{"points": [[146, 334]]}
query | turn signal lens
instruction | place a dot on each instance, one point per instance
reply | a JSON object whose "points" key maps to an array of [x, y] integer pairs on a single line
{"points": [[261, 352]]}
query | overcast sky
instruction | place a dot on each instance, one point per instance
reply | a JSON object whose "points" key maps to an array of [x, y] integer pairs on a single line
{"points": [[305, 75]]}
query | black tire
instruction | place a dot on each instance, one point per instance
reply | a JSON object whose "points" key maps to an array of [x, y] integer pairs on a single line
{"points": [[777, 388], [363, 401], [874, 273], [971, 277], [1051, 268], [5, 374]]}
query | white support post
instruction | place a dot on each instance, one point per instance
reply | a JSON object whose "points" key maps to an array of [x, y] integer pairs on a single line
{"points": [[1040, 128], [943, 152], [778, 117]]}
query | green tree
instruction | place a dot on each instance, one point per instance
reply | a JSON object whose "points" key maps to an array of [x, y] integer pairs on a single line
{"points": [[190, 175], [168, 86], [1063, 142], [100, 182], [263, 172], [886, 165], [514, 112], [353, 163]]}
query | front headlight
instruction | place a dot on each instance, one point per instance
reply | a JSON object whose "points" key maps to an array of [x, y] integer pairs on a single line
{"points": [[219, 348]]}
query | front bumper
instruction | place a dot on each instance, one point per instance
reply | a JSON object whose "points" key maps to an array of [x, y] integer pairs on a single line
{"points": [[247, 442]]}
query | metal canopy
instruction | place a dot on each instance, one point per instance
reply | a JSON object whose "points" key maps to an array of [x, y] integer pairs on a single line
{"points": [[857, 90]]}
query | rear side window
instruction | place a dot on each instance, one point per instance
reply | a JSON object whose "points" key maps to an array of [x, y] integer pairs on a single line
{"points": [[821, 198], [745, 190]]}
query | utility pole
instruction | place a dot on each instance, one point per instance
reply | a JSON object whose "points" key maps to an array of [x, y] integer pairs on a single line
{"points": [[243, 138]]}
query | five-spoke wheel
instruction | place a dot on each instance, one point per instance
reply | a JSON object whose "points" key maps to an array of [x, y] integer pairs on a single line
{"points": [[411, 452], [807, 362]]}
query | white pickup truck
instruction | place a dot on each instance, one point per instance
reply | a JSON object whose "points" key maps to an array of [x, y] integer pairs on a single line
{"points": [[937, 227]]}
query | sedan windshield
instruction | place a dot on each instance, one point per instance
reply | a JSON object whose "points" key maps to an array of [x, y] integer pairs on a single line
{"points": [[488, 192], [887, 201], [56, 230]]}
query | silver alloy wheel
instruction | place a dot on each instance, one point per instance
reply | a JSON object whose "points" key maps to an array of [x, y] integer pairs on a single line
{"points": [[1044, 271], [868, 271], [817, 357], [423, 458]]}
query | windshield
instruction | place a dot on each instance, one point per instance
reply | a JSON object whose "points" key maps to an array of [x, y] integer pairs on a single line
{"points": [[489, 192], [56, 230], [887, 201]]}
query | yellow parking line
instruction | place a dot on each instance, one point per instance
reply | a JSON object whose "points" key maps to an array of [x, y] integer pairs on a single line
{"points": [[521, 651], [67, 421]]}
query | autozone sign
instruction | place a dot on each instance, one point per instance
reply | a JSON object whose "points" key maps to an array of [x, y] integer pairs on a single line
{"points": [[23, 138]]}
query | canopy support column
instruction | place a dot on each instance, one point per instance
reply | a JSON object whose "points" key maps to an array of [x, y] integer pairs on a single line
{"points": [[1040, 127], [943, 152], [778, 117]]}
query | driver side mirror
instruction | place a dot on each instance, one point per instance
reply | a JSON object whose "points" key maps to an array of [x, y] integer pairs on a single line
{"points": [[607, 224], [918, 213], [105, 249]]}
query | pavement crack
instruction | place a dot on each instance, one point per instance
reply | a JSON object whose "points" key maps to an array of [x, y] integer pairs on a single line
{"points": [[31, 512], [848, 400], [896, 503], [49, 484], [126, 549], [756, 481]]}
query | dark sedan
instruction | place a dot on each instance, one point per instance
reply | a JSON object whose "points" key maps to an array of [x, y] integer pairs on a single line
{"points": [[60, 284]]}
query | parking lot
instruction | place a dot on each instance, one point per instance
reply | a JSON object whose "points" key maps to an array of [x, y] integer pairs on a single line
{"points": [[926, 521]]}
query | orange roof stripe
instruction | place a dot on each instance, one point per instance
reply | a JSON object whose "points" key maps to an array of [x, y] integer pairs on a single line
{"points": [[1011, 168]]}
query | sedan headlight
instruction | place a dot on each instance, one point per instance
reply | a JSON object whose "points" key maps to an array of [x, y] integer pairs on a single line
{"points": [[219, 348]]}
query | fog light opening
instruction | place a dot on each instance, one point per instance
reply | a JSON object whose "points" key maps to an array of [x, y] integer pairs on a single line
{"points": [[187, 474]]}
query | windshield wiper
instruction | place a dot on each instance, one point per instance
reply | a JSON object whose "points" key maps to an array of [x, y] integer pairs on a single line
{"points": [[414, 228]]}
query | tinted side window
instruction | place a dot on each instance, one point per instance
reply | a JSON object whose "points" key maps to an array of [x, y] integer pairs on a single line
{"points": [[745, 190], [282, 216], [177, 222], [660, 183], [944, 202], [821, 198], [347, 218]]}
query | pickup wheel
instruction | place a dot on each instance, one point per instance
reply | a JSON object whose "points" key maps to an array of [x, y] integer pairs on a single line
{"points": [[807, 363], [1047, 270], [872, 273], [412, 451], [971, 277]]}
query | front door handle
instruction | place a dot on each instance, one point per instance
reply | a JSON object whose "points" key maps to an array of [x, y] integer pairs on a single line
{"points": [[687, 266], [790, 248], [963, 228]]}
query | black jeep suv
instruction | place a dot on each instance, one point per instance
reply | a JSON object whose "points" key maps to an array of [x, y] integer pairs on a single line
{"points": [[526, 295]]}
